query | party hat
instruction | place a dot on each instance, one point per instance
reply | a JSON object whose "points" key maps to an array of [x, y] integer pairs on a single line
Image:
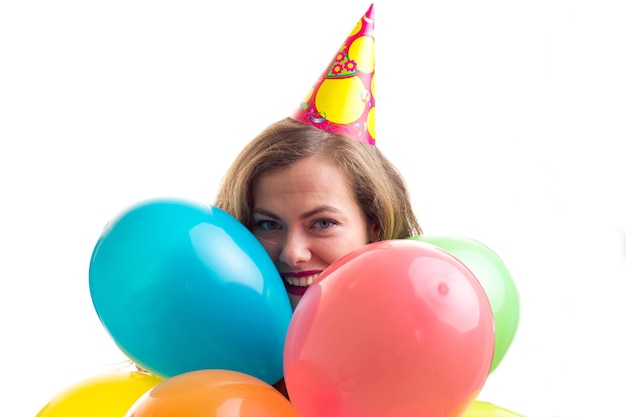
{"points": [[342, 99]]}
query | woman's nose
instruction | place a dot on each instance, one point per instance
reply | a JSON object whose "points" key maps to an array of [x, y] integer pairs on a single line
{"points": [[295, 249]]}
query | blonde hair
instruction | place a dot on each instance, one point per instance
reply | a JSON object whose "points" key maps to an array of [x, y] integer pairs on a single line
{"points": [[378, 186]]}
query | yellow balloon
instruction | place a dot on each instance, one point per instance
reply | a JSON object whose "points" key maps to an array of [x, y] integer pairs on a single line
{"points": [[108, 395], [485, 409]]}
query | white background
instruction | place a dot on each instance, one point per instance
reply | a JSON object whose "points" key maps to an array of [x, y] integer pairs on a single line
{"points": [[506, 118]]}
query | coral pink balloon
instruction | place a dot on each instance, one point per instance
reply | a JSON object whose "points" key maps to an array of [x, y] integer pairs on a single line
{"points": [[397, 328]]}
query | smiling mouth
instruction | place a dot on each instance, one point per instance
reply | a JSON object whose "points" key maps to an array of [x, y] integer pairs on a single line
{"points": [[297, 285]]}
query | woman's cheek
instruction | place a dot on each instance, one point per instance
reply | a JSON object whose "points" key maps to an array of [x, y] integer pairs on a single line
{"points": [[271, 249], [274, 254], [332, 251]]}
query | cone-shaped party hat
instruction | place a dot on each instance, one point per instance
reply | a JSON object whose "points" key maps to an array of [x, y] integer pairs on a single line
{"points": [[342, 99]]}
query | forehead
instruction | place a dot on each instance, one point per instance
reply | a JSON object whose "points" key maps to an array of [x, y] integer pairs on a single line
{"points": [[308, 182]]}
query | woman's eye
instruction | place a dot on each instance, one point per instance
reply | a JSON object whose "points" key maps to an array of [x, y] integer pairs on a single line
{"points": [[324, 223], [267, 224]]}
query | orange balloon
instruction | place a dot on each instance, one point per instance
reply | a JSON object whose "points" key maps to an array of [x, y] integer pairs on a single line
{"points": [[212, 393]]}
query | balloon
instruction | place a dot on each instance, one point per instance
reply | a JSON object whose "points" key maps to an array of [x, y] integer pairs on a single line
{"points": [[181, 287], [495, 279], [107, 395], [484, 409], [396, 328], [212, 393]]}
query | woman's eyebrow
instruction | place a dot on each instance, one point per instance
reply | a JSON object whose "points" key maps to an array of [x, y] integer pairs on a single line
{"points": [[307, 214], [320, 209], [265, 213]]}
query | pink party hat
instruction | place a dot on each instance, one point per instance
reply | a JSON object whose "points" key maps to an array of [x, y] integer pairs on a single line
{"points": [[342, 99]]}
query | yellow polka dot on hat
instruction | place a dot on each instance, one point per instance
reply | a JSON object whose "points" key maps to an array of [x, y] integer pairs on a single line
{"points": [[342, 100]]}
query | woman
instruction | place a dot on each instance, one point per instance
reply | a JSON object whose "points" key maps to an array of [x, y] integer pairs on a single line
{"points": [[314, 187], [311, 196]]}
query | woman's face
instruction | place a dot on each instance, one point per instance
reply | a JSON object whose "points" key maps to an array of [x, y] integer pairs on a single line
{"points": [[306, 217]]}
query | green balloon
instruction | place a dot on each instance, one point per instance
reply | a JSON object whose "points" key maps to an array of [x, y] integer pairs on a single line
{"points": [[495, 279]]}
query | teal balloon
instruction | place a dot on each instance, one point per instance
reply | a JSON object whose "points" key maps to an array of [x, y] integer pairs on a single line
{"points": [[181, 286], [496, 280]]}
